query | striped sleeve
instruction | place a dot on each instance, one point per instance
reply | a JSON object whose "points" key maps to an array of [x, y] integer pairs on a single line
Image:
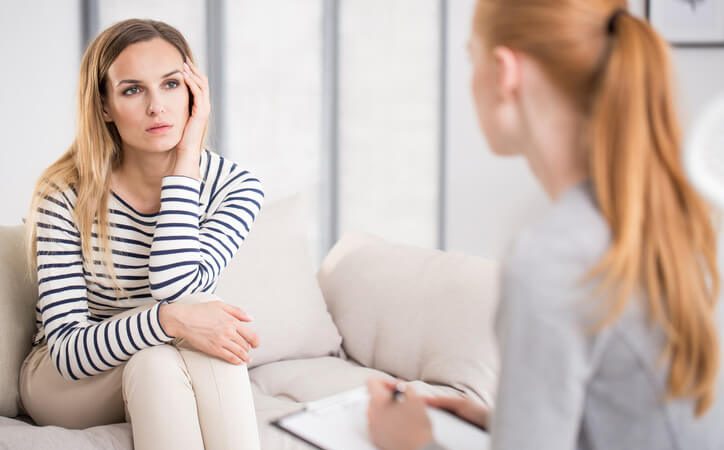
{"points": [[188, 255], [79, 348]]}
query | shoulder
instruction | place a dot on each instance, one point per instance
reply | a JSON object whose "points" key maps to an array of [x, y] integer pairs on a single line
{"points": [[219, 172], [59, 198], [54, 208], [553, 255]]}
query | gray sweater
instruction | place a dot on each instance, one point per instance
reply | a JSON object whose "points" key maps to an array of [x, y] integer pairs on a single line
{"points": [[563, 387]]}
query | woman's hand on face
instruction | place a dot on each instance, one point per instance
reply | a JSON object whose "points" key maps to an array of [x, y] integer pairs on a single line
{"points": [[214, 328], [466, 408], [396, 424], [188, 150]]}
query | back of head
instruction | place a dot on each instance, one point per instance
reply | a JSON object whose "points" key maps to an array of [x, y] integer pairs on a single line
{"points": [[614, 69]]}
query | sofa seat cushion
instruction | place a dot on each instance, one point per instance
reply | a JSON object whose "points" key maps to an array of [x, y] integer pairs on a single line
{"points": [[280, 388], [315, 378], [269, 408], [20, 435]]}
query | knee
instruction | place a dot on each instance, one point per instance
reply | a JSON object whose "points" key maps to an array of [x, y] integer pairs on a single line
{"points": [[158, 366]]}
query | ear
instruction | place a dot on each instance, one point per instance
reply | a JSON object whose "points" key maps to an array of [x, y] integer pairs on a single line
{"points": [[104, 112], [508, 76]]}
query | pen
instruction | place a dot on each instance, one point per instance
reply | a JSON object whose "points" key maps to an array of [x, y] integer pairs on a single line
{"points": [[398, 393]]}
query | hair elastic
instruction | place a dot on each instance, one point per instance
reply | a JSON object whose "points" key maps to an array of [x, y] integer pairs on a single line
{"points": [[613, 19]]}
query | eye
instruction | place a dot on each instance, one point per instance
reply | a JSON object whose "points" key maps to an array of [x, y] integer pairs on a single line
{"points": [[172, 84], [132, 90]]}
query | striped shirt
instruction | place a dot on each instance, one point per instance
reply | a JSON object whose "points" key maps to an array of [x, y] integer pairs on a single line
{"points": [[157, 258]]}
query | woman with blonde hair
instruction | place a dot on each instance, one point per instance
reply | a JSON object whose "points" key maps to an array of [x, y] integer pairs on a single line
{"points": [[129, 232], [607, 325]]}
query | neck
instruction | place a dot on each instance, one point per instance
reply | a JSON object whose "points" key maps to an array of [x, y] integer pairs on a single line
{"points": [[554, 143], [142, 171], [556, 166]]}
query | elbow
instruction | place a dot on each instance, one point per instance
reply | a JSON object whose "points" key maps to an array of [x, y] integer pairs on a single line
{"points": [[62, 366], [161, 287], [170, 289], [165, 293]]}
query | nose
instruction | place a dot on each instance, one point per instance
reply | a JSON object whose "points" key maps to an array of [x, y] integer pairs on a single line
{"points": [[155, 108], [155, 103]]}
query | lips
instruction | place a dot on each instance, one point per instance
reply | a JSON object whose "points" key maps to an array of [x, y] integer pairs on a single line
{"points": [[159, 128]]}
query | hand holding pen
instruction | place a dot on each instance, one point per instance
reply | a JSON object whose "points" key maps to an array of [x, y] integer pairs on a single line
{"points": [[396, 416]]}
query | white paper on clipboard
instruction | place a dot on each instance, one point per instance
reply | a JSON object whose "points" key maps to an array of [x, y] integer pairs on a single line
{"points": [[339, 422]]}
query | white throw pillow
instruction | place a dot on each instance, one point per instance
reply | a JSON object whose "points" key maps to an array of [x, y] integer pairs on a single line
{"points": [[415, 313], [272, 279]]}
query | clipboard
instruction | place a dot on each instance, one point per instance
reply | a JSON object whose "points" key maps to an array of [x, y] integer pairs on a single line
{"points": [[339, 422]]}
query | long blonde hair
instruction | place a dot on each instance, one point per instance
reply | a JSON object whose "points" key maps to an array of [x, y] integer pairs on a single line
{"points": [[617, 73], [97, 148]]}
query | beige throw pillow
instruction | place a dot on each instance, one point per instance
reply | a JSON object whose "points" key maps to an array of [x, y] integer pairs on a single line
{"points": [[415, 313], [272, 278]]}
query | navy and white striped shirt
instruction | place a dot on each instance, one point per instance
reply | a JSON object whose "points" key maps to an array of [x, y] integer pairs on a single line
{"points": [[158, 257]]}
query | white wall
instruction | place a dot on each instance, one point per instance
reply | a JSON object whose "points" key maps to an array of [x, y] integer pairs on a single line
{"points": [[189, 20], [388, 119], [487, 198], [273, 75], [40, 51], [490, 199]]}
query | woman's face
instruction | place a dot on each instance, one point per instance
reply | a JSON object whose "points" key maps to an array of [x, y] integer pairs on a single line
{"points": [[146, 97]]}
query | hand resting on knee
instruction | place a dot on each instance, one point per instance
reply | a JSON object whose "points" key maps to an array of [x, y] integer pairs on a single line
{"points": [[214, 328]]}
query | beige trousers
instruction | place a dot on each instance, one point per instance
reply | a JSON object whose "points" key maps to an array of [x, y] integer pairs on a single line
{"points": [[174, 397]]}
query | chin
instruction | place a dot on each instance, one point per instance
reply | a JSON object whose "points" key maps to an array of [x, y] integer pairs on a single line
{"points": [[504, 152], [159, 148], [162, 145]]}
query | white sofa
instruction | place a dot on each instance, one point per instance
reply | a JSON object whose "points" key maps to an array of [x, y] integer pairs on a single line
{"points": [[374, 308]]}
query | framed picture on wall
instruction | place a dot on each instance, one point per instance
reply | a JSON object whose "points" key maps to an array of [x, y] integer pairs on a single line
{"points": [[688, 23]]}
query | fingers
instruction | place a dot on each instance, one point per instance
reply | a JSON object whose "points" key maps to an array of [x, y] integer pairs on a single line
{"points": [[237, 312], [376, 387], [248, 335], [192, 74], [380, 389], [197, 75], [231, 341], [192, 79], [238, 351], [411, 393], [234, 336], [448, 403], [192, 82], [199, 86], [230, 356]]}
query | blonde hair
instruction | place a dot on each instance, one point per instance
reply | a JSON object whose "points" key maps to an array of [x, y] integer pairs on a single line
{"points": [[617, 74], [97, 148]]}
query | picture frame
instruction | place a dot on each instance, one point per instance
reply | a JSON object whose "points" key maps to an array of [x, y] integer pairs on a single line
{"points": [[688, 23]]}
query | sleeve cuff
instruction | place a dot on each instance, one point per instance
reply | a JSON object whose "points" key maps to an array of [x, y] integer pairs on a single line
{"points": [[180, 180], [180, 195], [156, 321]]}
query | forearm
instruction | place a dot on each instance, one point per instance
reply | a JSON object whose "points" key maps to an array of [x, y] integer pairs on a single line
{"points": [[187, 164], [80, 351], [170, 319], [175, 261], [189, 254]]}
